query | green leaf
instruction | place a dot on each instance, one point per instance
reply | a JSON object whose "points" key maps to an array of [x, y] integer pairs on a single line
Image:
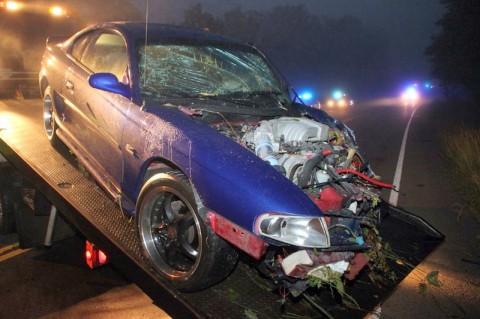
{"points": [[387, 246], [422, 289], [432, 278], [232, 294], [339, 286]]}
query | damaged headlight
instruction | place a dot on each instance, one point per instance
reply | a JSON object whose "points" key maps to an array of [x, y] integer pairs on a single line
{"points": [[299, 231]]}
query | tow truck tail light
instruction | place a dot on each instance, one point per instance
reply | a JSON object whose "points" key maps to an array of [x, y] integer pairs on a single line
{"points": [[94, 256]]}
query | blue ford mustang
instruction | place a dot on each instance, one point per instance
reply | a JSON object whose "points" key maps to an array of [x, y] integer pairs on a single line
{"points": [[208, 147]]}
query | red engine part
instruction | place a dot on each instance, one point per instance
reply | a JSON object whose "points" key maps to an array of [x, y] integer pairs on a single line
{"points": [[329, 199]]}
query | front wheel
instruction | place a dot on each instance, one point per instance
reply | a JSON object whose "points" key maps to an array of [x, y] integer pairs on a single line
{"points": [[175, 238]]}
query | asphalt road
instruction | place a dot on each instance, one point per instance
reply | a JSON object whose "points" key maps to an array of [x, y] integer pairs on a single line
{"points": [[40, 283], [426, 190]]}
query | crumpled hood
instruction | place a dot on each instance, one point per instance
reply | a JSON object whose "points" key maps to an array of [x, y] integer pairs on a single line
{"points": [[229, 178]]}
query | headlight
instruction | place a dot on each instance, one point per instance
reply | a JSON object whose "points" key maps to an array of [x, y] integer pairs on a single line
{"points": [[411, 94], [294, 230]]}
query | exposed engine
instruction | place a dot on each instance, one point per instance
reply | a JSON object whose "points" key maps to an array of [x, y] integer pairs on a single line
{"points": [[296, 145], [317, 158], [311, 154]]}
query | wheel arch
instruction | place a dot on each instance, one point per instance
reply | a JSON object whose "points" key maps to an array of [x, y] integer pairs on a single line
{"points": [[153, 166], [158, 165], [43, 86]]}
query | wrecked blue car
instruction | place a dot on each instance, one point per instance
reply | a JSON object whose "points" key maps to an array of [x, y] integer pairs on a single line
{"points": [[199, 138]]}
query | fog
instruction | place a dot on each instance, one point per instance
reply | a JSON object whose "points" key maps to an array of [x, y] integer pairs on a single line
{"points": [[23, 34], [371, 45], [399, 30]]}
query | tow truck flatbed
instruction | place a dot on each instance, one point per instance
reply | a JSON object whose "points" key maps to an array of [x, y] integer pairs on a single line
{"points": [[55, 173]]}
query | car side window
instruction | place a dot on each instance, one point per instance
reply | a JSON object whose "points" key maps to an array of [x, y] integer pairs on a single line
{"points": [[79, 46], [107, 53]]}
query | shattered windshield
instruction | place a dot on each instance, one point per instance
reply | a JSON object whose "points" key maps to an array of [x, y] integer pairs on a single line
{"points": [[209, 71]]}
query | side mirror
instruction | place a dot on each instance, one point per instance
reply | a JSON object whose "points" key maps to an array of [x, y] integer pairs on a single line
{"points": [[109, 83]]}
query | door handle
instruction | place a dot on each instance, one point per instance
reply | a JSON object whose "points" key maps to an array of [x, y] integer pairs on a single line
{"points": [[69, 85], [131, 150]]}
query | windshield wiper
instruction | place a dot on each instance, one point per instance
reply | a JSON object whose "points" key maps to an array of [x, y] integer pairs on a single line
{"points": [[251, 94], [168, 94], [224, 98], [256, 98], [267, 94]]}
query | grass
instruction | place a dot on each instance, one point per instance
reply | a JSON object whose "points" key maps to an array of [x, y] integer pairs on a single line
{"points": [[462, 147]]}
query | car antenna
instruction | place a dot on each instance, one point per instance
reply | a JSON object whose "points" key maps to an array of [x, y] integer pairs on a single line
{"points": [[145, 53]]}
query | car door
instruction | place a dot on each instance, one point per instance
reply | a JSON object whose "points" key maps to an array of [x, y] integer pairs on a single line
{"points": [[71, 119], [101, 113]]}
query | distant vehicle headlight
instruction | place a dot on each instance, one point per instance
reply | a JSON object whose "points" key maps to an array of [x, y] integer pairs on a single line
{"points": [[410, 95], [342, 103], [299, 231], [330, 103]]}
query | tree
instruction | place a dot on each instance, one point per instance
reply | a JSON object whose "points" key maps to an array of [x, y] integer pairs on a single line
{"points": [[455, 53], [195, 17]]}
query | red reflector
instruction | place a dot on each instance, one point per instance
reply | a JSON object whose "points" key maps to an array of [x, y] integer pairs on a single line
{"points": [[88, 255], [212, 220], [94, 256], [102, 258]]}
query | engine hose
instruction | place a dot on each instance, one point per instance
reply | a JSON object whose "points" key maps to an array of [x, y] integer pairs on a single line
{"points": [[365, 177], [304, 177]]}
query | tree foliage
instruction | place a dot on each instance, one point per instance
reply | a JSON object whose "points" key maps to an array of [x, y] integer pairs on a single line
{"points": [[455, 52], [308, 49]]}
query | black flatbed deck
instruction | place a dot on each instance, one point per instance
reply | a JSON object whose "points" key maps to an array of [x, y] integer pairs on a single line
{"points": [[244, 294]]}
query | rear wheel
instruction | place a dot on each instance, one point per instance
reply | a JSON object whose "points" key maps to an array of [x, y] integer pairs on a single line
{"points": [[175, 238], [49, 118]]}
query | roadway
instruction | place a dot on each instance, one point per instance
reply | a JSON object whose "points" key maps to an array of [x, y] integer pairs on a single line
{"points": [[426, 190]]}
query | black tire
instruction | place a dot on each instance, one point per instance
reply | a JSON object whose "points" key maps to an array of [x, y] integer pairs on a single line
{"points": [[181, 247], [7, 212], [49, 117]]}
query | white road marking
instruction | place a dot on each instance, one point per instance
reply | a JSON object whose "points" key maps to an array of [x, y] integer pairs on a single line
{"points": [[393, 200]]}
